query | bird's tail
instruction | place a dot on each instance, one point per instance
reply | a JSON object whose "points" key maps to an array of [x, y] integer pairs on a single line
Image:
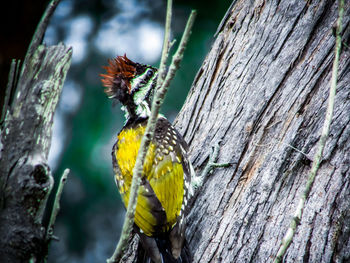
{"points": [[165, 252]]}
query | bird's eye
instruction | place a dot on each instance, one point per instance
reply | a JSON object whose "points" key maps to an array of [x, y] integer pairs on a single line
{"points": [[149, 73]]}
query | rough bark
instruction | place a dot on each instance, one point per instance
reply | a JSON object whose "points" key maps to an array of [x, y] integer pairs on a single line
{"points": [[25, 138], [264, 86], [263, 89], [25, 177]]}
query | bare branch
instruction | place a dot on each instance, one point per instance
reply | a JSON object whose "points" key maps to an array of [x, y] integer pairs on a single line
{"points": [[40, 31], [56, 205]]}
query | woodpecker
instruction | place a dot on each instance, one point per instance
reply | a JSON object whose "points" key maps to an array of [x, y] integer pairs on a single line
{"points": [[167, 173]]}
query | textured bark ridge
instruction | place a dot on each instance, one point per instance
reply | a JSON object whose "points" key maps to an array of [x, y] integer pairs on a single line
{"points": [[263, 88], [25, 178]]}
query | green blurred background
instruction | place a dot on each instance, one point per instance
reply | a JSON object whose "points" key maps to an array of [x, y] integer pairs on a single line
{"points": [[86, 123]]}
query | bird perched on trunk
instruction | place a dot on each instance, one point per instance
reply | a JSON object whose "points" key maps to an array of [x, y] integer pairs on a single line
{"points": [[167, 173]]}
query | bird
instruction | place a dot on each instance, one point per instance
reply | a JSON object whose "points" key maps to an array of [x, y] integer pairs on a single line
{"points": [[168, 179]]}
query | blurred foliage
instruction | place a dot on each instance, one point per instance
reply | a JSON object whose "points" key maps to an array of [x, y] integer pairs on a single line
{"points": [[86, 123]]}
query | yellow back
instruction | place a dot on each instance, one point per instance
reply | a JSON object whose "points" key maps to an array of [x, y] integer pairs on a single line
{"points": [[164, 172]]}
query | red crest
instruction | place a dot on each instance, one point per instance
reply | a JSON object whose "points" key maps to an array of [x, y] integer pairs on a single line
{"points": [[119, 73]]}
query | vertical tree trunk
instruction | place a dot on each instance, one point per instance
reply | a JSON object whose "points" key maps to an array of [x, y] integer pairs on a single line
{"points": [[25, 177], [263, 88]]}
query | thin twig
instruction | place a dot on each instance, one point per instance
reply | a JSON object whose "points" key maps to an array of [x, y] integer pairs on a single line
{"points": [[212, 162], [175, 63], [166, 45], [10, 84], [39, 32], [288, 238], [148, 136], [56, 205]]}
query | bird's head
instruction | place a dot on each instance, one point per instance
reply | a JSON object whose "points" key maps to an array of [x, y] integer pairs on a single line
{"points": [[130, 83]]}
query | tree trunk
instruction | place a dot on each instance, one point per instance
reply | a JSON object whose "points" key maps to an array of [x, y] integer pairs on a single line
{"points": [[263, 88], [25, 177]]}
